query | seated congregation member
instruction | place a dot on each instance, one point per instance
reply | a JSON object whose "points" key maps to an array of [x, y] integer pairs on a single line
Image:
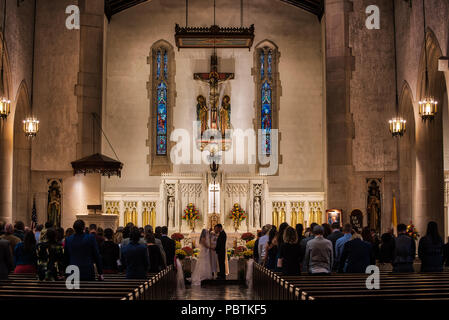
{"points": [[81, 249], [110, 253], [154, 254], [357, 255], [290, 254], [404, 251], [135, 257], [6, 260], [319, 255], [430, 249], [169, 246], [386, 250], [50, 257], [9, 235], [270, 261], [340, 243], [25, 258]]}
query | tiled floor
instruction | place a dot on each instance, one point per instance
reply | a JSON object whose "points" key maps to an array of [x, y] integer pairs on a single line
{"points": [[215, 292]]}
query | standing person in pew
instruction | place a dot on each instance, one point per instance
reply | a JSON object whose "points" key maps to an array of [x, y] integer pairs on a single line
{"points": [[357, 255], [158, 233], [6, 260], [446, 254], [25, 257], [256, 246], [386, 251], [50, 257], [430, 249], [135, 257], [169, 246], [272, 250], [9, 235], [304, 241], [404, 251], [299, 230], [158, 242], [47, 226], [81, 249], [110, 253], [19, 230], [37, 234], [279, 242], [333, 237], [340, 243], [154, 254], [262, 243], [2, 228], [289, 258], [319, 256]]}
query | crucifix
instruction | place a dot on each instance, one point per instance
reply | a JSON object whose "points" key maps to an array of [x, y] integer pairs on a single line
{"points": [[214, 79]]}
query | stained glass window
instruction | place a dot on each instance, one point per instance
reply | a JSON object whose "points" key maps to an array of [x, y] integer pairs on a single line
{"points": [[266, 118], [165, 65], [266, 58], [161, 124], [158, 61]]}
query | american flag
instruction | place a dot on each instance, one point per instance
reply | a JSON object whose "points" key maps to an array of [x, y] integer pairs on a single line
{"points": [[33, 215]]}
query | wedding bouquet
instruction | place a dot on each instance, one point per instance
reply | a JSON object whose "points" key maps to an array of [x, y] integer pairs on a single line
{"points": [[237, 213], [412, 232], [247, 236], [191, 213], [177, 236]]}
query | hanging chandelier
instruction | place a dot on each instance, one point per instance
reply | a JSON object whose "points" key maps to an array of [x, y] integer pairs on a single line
{"points": [[397, 124], [5, 108], [30, 127], [427, 105], [397, 127]]}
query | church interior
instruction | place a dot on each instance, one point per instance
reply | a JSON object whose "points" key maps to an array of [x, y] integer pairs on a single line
{"points": [[243, 113]]}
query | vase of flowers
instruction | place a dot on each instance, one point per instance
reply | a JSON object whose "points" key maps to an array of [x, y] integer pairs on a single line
{"points": [[412, 232], [191, 214], [237, 216]]}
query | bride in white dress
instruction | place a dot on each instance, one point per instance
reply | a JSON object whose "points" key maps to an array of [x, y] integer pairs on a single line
{"points": [[203, 267]]}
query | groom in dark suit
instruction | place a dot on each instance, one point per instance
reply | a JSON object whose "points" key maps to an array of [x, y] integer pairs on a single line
{"points": [[220, 249]]}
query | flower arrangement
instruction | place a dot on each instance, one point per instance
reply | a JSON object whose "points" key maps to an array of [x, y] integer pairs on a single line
{"points": [[188, 251], [239, 250], [196, 252], [412, 232], [230, 252], [191, 213], [250, 244], [237, 213], [177, 236], [248, 254], [180, 254], [248, 236], [178, 245]]}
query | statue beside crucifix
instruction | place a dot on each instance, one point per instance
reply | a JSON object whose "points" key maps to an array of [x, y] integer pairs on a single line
{"points": [[219, 119]]}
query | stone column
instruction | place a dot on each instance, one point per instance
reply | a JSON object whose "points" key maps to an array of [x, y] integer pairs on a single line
{"points": [[338, 117]]}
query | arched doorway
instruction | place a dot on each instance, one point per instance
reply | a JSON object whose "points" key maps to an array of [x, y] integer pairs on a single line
{"points": [[21, 197], [407, 158], [429, 143]]}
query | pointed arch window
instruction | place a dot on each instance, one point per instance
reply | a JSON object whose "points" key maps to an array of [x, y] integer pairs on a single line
{"points": [[267, 98], [162, 92]]}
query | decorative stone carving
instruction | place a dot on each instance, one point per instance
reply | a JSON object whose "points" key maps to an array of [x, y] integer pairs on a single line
{"points": [[191, 189], [236, 189]]}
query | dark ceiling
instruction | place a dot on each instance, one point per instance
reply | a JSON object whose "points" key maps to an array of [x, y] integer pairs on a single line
{"points": [[112, 7]]}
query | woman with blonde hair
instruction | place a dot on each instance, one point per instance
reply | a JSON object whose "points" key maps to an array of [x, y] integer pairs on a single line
{"points": [[290, 253]]}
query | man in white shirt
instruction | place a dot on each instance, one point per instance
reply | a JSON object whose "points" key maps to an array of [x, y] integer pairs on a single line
{"points": [[263, 242]]}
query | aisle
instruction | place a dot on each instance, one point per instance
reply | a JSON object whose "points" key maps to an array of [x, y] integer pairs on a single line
{"points": [[215, 292]]}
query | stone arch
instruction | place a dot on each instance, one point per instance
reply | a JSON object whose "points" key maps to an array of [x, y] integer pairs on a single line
{"points": [[407, 157], [160, 163], [429, 141], [6, 142], [21, 197]]}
